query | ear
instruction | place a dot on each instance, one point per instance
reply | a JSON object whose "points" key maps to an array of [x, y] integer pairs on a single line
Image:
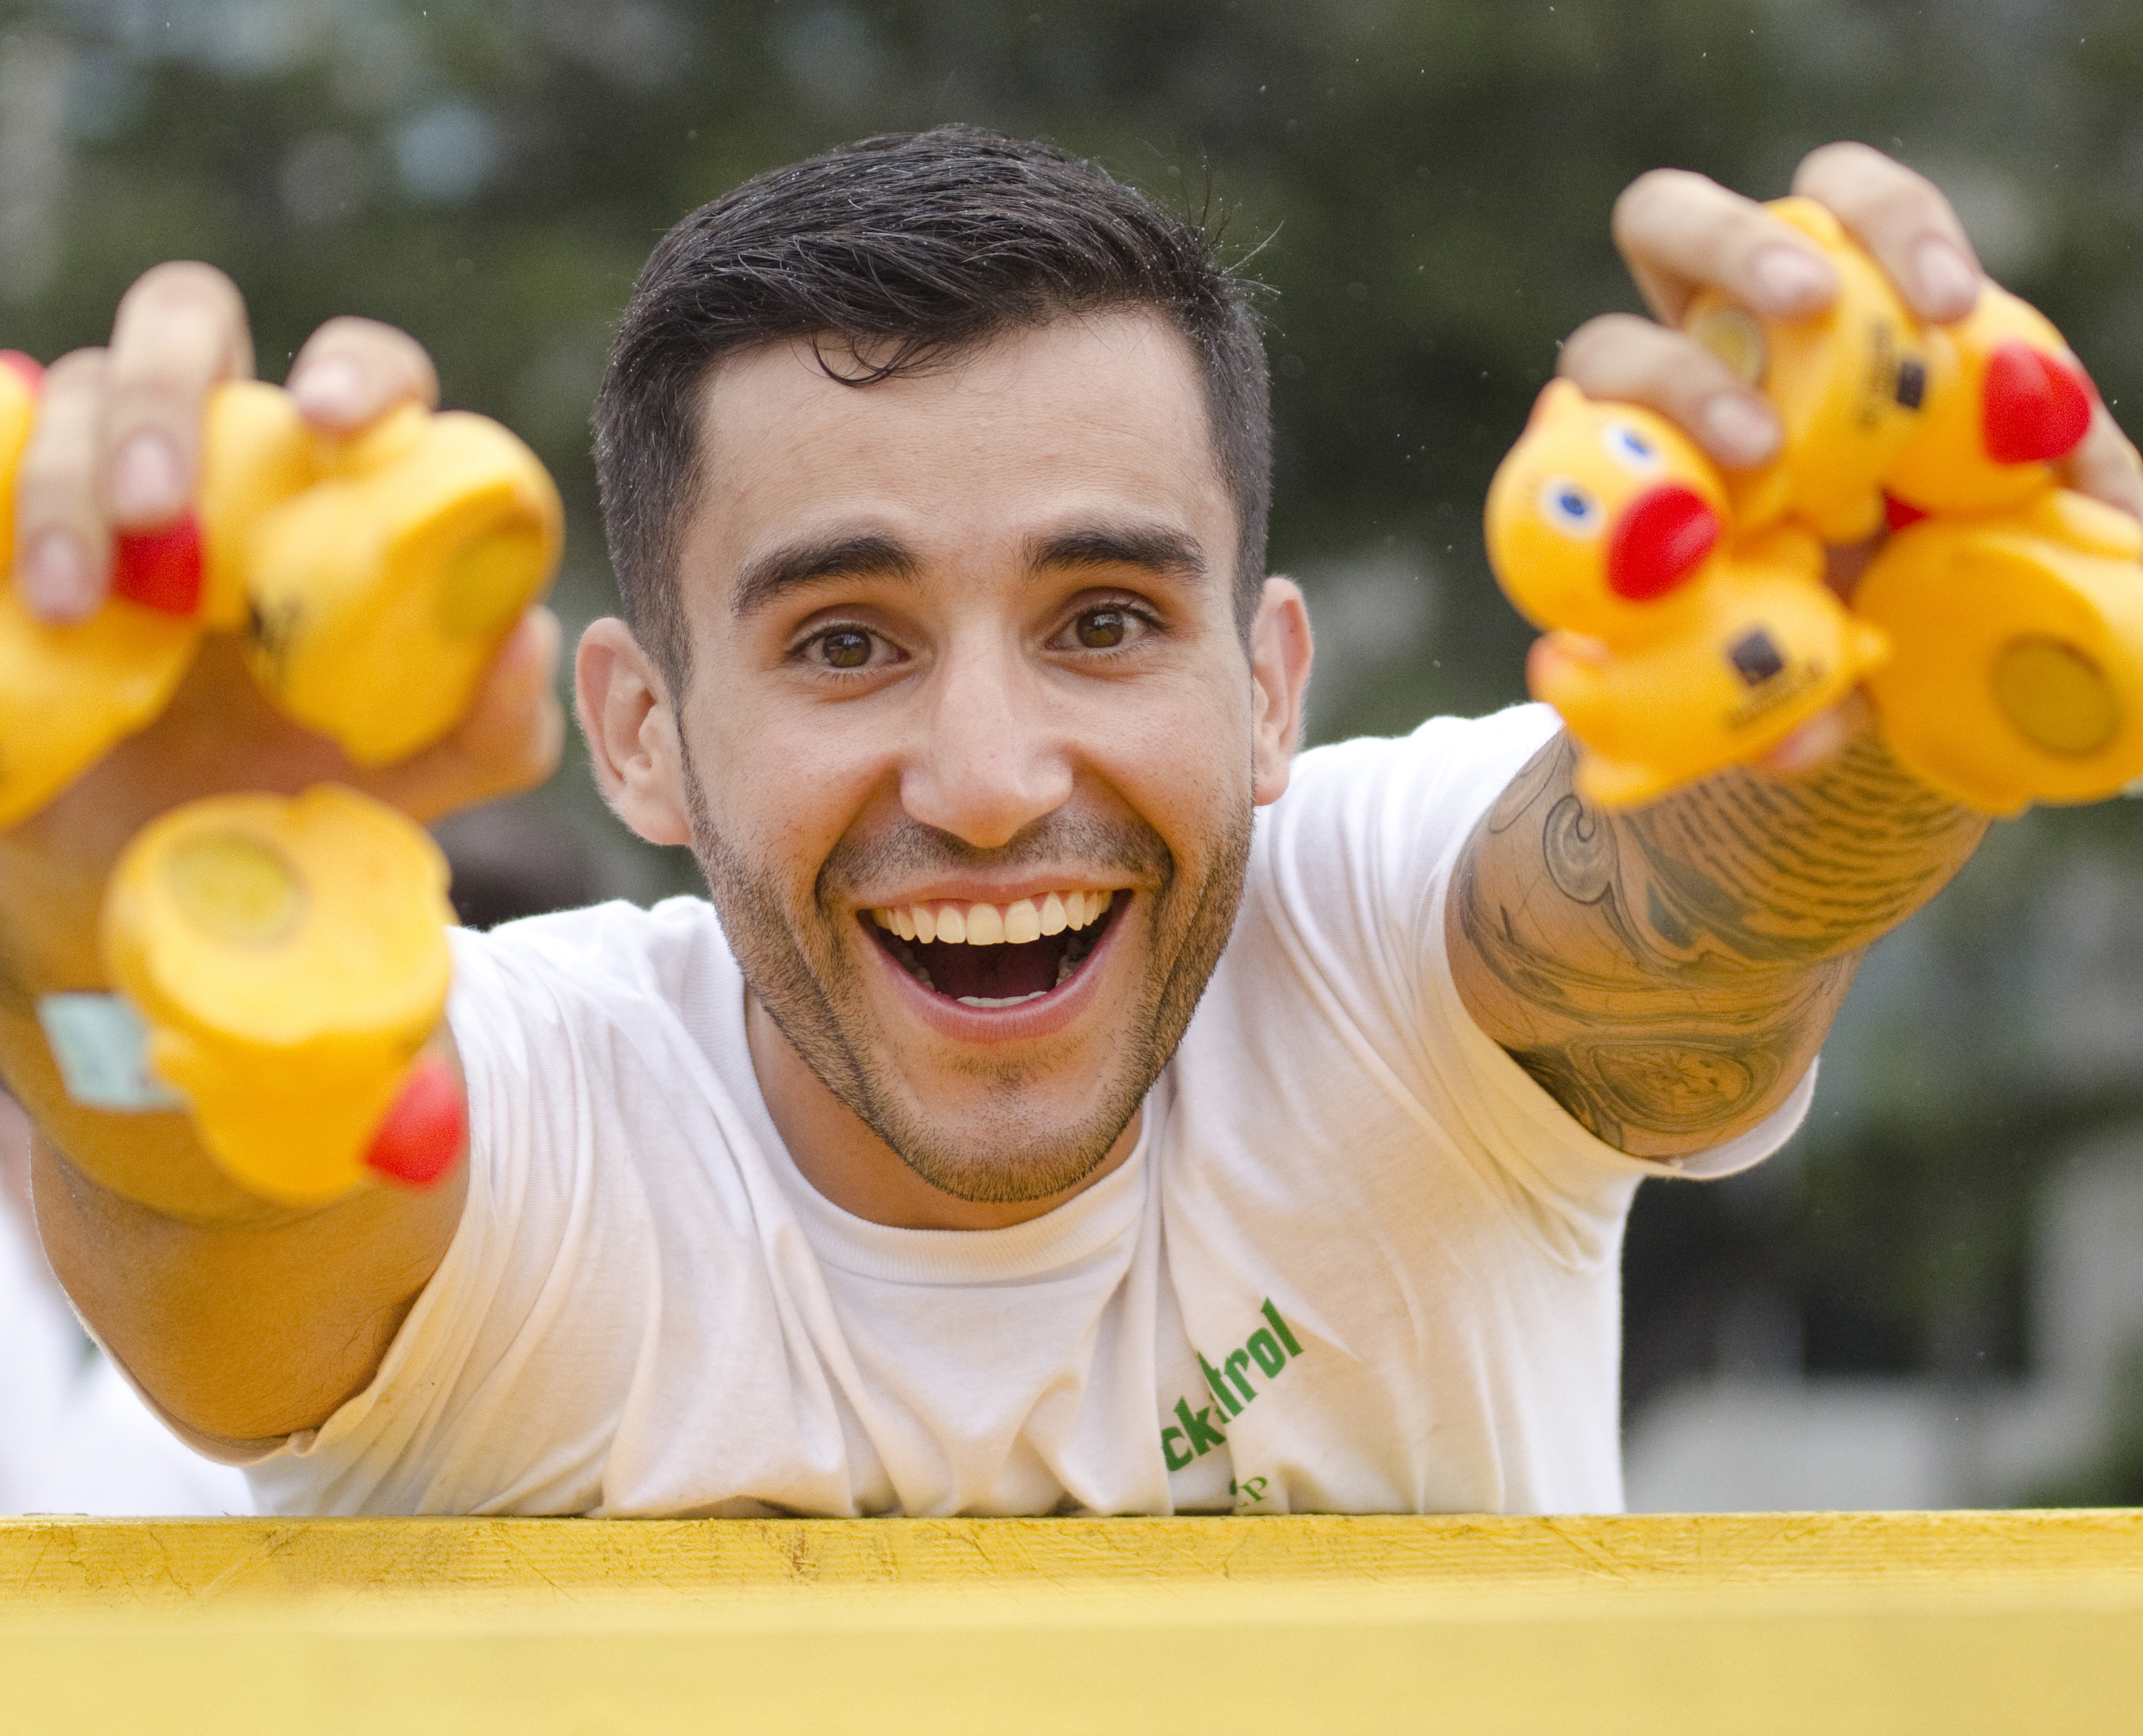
{"points": [[1279, 673], [631, 732]]}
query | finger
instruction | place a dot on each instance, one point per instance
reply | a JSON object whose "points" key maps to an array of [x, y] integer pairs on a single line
{"points": [[63, 555], [180, 330], [517, 727], [1819, 741], [2106, 465], [510, 741], [353, 371], [1903, 220], [1680, 233], [1628, 360]]}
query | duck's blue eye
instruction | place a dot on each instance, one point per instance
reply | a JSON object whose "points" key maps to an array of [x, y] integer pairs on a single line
{"points": [[1570, 506], [1630, 449]]}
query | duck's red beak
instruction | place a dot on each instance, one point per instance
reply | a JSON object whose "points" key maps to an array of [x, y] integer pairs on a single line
{"points": [[1667, 534], [160, 569], [2035, 408], [424, 1131]]}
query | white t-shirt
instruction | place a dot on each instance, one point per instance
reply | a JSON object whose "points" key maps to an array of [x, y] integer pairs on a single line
{"points": [[1359, 1261]]}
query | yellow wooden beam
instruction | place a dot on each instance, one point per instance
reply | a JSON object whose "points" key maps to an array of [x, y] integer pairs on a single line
{"points": [[1956, 1623], [54, 1562]]}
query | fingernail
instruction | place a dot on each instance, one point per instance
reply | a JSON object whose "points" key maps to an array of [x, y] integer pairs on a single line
{"points": [[147, 484], [56, 577], [327, 390], [1792, 282], [1948, 285], [1739, 430]]}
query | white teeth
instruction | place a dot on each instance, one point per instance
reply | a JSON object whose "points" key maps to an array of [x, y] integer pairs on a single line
{"points": [[1085, 908], [1010, 1000], [989, 925]]}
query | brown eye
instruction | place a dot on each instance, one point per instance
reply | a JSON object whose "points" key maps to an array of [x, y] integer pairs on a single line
{"points": [[1100, 629], [847, 649]]}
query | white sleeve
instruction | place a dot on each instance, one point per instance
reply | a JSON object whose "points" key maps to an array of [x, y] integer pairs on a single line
{"points": [[1371, 838], [500, 1392]]}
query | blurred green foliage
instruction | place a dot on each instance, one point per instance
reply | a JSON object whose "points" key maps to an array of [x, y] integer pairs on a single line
{"points": [[1425, 185]]}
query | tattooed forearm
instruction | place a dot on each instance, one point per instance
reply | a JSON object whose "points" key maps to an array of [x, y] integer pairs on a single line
{"points": [[1668, 974], [1623, 1089]]}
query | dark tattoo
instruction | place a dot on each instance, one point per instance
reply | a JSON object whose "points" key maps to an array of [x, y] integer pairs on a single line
{"points": [[1667, 974]]}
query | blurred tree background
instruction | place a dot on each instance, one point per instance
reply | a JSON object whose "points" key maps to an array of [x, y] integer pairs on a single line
{"points": [[1428, 184]]}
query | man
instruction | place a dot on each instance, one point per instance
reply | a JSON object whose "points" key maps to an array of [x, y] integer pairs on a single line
{"points": [[924, 1180]]}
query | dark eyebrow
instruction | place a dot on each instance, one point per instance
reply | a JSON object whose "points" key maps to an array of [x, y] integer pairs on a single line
{"points": [[803, 563], [1156, 547]]}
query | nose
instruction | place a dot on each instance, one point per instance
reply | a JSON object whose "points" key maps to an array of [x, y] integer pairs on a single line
{"points": [[1664, 535], [992, 758]]}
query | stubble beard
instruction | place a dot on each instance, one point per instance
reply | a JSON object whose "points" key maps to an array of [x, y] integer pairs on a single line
{"points": [[805, 973]]}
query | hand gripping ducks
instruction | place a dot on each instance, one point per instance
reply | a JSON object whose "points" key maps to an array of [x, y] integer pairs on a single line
{"points": [[2000, 629], [372, 580], [288, 956]]}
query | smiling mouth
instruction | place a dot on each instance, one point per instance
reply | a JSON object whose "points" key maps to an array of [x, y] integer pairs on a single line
{"points": [[992, 955]]}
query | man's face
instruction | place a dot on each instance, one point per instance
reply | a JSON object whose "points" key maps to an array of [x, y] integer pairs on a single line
{"points": [[971, 741]]}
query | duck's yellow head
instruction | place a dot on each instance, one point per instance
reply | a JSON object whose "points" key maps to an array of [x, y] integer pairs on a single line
{"points": [[1599, 511], [2011, 402]]}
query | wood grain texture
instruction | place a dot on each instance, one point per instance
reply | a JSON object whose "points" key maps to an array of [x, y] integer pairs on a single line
{"points": [[1841, 1623], [48, 1564]]}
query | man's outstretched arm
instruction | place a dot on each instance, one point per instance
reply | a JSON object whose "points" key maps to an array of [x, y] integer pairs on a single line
{"points": [[245, 1320], [1668, 974]]}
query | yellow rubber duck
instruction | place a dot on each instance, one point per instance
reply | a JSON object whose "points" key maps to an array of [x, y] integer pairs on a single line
{"points": [[1671, 651], [2016, 608], [67, 693], [2009, 400], [374, 579], [2018, 672], [1849, 383], [379, 594], [288, 956]]}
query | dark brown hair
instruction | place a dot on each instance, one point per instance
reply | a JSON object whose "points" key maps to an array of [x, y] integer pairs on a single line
{"points": [[927, 242]]}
